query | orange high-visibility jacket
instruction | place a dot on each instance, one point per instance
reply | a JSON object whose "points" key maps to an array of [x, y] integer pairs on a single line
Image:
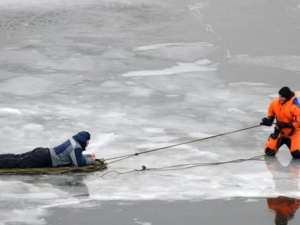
{"points": [[289, 112]]}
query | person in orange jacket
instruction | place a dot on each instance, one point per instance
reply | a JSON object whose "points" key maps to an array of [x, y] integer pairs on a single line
{"points": [[286, 109]]}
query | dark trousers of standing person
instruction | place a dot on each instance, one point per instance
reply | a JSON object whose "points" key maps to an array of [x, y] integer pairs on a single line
{"points": [[277, 139], [38, 157]]}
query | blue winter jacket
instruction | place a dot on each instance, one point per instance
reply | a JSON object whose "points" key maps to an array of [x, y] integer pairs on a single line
{"points": [[70, 152]]}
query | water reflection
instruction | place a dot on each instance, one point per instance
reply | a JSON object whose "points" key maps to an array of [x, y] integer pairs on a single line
{"points": [[73, 185], [286, 180], [284, 208]]}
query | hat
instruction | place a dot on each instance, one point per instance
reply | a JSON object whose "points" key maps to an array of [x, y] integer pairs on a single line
{"points": [[82, 138], [286, 93]]}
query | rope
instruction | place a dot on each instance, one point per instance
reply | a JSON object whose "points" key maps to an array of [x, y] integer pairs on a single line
{"points": [[188, 166], [184, 166], [119, 158]]}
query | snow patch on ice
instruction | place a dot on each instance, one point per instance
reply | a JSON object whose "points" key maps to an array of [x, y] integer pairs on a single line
{"points": [[180, 52], [201, 65], [9, 111], [166, 45], [141, 223], [247, 84]]}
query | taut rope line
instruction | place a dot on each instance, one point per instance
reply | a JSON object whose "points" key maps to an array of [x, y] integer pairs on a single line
{"points": [[119, 158], [185, 166]]}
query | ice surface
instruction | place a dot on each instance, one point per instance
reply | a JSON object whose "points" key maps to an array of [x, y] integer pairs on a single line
{"points": [[141, 75], [25, 86], [200, 65], [286, 62], [7, 111]]}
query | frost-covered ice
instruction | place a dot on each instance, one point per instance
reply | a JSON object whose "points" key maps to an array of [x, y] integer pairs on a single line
{"points": [[140, 75]]}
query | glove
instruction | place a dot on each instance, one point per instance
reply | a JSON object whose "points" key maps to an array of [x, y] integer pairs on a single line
{"points": [[267, 121], [281, 125], [93, 156]]}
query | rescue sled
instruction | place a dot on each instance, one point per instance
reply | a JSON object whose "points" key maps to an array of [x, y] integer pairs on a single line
{"points": [[100, 164]]}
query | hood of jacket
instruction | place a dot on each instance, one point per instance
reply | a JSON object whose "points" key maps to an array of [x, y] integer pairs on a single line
{"points": [[82, 138]]}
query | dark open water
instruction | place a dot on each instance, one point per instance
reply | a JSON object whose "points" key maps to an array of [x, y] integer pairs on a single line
{"points": [[214, 212]]}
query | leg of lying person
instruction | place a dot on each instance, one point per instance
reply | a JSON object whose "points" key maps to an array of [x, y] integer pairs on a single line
{"points": [[36, 158], [10, 161]]}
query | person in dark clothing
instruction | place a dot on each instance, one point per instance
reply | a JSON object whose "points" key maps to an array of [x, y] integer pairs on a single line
{"points": [[68, 153]]}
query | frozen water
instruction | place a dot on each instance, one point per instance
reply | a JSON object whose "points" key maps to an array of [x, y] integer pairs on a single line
{"points": [[140, 75], [282, 62], [180, 68]]}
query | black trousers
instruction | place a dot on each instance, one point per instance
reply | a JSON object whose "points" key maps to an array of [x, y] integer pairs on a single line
{"points": [[38, 157]]}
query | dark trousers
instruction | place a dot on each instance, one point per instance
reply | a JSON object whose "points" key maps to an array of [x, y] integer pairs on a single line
{"points": [[38, 157]]}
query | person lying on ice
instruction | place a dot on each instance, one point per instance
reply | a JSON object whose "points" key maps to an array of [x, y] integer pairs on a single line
{"points": [[68, 153], [286, 109]]}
